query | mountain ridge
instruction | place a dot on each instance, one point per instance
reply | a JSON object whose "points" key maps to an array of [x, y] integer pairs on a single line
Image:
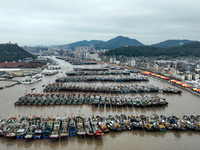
{"points": [[121, 41]]}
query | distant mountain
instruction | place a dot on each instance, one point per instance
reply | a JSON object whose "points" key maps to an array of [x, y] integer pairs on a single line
{"points": [[12, 52], [171, 43], [186, 50], [80, 43], [118, 42]]}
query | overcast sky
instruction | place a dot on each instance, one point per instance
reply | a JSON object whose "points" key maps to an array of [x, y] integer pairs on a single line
{"points": [[56, 22]]}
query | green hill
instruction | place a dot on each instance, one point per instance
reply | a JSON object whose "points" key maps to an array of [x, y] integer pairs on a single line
{"points": [[190, 49], [12, 52], [118, 42], [171, 43]]}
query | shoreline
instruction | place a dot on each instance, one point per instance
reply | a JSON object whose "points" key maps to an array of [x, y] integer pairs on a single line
{"points": [[9, 85]]}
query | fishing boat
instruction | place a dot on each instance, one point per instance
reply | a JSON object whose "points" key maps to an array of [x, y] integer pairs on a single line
{"points": [[98, 132], [30, 133], [49, 72], [21, 132], [162, 124], [38, 132], [118, 122], [48, 127], [56, 131], [72, 127], [103, 125], [111, 123], [88, 127], [64, 131], [33, 79], [80, 126]]}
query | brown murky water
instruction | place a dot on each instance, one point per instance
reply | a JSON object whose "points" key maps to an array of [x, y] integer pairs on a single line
{"points": [[186, 103]]}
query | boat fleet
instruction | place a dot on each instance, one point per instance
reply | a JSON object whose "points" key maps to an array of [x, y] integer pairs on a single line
{"points": [[57, 128], [121, 89], [86, 73], [101, 79], [96, 100]]}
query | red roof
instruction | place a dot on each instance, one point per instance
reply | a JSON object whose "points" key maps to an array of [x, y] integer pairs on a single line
{"points": [[19, 65]]}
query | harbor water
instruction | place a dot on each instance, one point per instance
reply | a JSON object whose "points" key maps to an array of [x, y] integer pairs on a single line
{"points": [[179, 105]]}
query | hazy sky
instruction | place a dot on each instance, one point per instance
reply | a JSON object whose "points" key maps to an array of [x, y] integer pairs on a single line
{"points": [[55, 22]]}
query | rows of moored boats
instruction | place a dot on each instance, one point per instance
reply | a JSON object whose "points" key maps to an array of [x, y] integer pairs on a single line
{"points": [[100, 78], [58, 87], [55, 128], [86, 73], [90, 69], [93, 99]]}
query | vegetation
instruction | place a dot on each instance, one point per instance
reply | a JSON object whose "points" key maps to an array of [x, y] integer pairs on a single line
{"points": [[171, 43], [118, 42], [190, 49], [12, 52]]}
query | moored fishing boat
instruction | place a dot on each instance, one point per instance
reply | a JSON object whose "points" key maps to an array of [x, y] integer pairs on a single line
{"points": [[48, 127], [64, 131], [72, 127], [88, 127], [56, 131], [33, 79], [80, 126], [98, 132]]}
